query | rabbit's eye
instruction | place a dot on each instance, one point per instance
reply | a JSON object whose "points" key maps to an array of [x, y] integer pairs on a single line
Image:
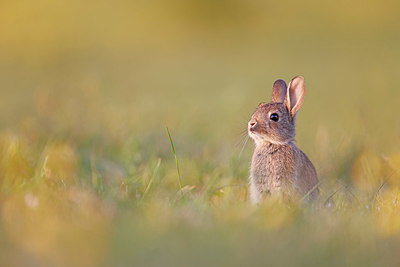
{"points": [[274, 117]]}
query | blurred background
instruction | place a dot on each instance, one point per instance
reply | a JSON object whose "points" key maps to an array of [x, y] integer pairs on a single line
{"points": [[88, 87]]}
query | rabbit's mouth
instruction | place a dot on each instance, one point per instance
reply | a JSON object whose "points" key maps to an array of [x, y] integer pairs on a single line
{"points": [[252, 130]]}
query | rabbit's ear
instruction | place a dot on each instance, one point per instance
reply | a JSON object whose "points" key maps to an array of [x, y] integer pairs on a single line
{"points": [[278, 91], [295, 95]]}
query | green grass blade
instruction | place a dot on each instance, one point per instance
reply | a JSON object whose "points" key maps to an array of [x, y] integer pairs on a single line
{"points": [[176, 160]]}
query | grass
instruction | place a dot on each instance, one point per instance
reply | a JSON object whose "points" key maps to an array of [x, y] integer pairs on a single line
{"points": [[176, 161], [87, 176], [137, 218]]}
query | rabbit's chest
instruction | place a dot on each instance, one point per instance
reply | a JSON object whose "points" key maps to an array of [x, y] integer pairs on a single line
{"points": [[271, 173]]}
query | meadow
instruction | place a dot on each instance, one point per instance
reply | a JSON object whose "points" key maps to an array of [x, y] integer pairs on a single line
{"points": [[87, 173]]}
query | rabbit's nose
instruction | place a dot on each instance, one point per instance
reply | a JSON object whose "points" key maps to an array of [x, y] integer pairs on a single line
{"points": [[252, 123]]}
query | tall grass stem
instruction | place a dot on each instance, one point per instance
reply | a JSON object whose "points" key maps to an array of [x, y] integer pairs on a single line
{"points": [[176, 160]]}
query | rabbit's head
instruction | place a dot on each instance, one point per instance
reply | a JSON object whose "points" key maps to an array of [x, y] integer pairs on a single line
{"points": [[274, 122]]}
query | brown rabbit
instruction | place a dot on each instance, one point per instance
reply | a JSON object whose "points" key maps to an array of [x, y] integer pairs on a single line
{"points": [[278, 166]]}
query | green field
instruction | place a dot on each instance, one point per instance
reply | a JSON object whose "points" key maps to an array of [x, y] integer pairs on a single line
{"points": [[87, 173]]}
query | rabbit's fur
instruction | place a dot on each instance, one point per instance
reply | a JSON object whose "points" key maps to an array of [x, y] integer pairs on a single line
{"points": [[278, 167]]}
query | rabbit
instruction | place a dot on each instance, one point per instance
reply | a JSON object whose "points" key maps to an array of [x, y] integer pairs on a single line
{"points": [[278, 167]]}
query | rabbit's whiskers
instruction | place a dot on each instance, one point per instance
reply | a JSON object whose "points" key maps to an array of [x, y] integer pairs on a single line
{"points": [[244, 145]]}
